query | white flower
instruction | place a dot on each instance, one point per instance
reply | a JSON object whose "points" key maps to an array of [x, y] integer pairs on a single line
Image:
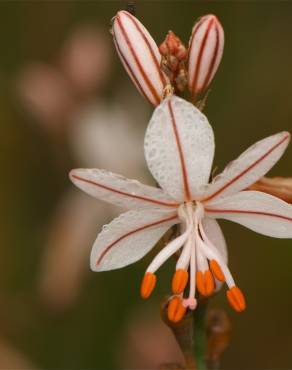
{"points": [[179, 149]]}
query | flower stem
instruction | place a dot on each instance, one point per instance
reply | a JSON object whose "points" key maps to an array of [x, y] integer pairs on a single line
{"points": [[200, 336], [190, 334]]}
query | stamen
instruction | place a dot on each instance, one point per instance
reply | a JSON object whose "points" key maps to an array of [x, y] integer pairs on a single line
{"points": [[185, 256], [236, 299], [148, 284], [168, 251], [209, 282], [176, 309], [179, 281], [200, 282], [212, 253], [202, 262], [191, 302], [216, 270], [205, 283]]}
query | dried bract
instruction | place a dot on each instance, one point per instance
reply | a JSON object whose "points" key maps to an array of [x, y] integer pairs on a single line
{"points": [[280, 187]]}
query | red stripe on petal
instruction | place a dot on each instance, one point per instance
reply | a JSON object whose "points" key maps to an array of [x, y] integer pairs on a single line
{"points": [[130, 71], [146, 79], [195, 30], [156, 62], [264, 156], [108, 248], [238, 211], [146, 199], [212, 63], [199, 58], [181, 154]]}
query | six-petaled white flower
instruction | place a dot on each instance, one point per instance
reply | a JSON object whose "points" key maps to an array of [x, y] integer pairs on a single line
{"points": [[179, 150]]}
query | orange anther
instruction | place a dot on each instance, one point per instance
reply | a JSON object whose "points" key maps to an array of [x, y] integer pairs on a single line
{"points": [[200, 282], [209, 282], [236, 299], [148, 284], [176, 310], [179, 281], [216, 269], [205, 282]]}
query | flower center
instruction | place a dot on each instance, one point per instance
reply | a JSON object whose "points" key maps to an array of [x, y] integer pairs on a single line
{"points": [[201, 265], [191, 211]]}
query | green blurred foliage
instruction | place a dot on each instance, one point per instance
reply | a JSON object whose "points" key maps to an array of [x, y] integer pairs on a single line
{"points": [[250, 98]]}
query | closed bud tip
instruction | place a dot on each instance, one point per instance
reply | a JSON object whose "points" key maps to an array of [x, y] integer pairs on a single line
{"points": [[205, 53], [140, 56]]}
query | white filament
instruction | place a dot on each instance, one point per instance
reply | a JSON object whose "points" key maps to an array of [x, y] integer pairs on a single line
{"points": [[184, 258], [193, 273], [191, 301], [168, 251], [202, 263]]}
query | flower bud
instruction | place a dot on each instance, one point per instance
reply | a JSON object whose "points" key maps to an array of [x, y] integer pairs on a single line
{"points": [[140, 56], [205, 53], [172, 47], [174, 55]]}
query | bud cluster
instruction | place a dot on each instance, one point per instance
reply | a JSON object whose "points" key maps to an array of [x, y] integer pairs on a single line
{"points": [[172, 66], [174, 55]]}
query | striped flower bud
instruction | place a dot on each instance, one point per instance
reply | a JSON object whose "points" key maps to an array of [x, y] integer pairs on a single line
{"points": [[140, 56], [205, 53]]}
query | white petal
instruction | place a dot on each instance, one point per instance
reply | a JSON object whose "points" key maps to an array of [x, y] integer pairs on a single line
{"points": [[249, 167], [179, 148], [140, 56], [129, 237], [120, 191], [216, 237], [258, 211]]}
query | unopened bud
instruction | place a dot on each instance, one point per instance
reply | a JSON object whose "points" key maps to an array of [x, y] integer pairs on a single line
{"points": [[174, 55], [140, 56], [173, 47], [205, 53]]}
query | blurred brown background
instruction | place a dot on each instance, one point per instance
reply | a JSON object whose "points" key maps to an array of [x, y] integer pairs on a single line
{"points": [[65, 101]]}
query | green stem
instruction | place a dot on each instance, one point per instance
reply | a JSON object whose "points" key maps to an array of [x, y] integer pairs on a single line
{"points": [[190, 334], [184, 335], [200, 337]]}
